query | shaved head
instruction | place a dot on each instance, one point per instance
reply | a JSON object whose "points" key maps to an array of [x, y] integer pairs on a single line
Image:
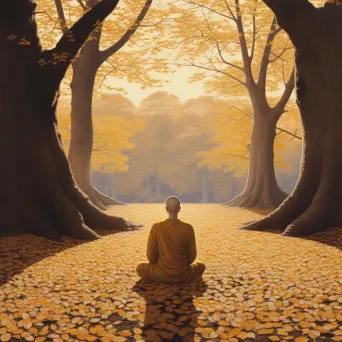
{"points": [[173, 205]]}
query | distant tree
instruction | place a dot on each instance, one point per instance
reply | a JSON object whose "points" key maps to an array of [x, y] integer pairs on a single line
{"points": [[231, 122], [99, 58], [39, 192], [113, 131], [201, 105], [166, 154], [239, 51], [160, 103]]}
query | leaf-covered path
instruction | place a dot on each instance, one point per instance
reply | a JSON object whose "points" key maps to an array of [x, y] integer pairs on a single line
{"points": [[257, 286]]}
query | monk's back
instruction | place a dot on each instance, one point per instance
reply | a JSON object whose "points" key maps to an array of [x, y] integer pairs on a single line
{"points": [[171, 250], [174, 239]]}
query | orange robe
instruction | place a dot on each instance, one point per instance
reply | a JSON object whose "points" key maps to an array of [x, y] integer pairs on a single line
{"points": [[171, 252]]}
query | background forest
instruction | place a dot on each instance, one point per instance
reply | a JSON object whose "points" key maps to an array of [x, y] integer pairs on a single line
{"points": [[180, 98], [164, 147]]}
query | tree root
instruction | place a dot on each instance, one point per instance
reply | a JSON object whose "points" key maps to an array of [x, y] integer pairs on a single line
{"points": [[99, 199], [92, 216], [299, 215], [258, 200], [50, 203], [108, 201]]}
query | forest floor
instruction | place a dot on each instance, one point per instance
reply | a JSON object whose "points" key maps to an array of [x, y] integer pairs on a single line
{"points": [[258, 286]]}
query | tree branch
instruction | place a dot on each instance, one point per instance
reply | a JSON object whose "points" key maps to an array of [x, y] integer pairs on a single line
{"points": [[243, 45], [254, 34], [280, 107], [236, 155], [294, 135], [67, 47], [218, 46], [82, 5], [230, 10], [276, 57], [61, 16], [289, 12], [265, 60], [105, 54], [224, 60], [210, 9]]}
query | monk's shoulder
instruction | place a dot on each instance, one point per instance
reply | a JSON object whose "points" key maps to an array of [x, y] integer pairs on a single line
{"points": [[187, 225], [157, 225]]}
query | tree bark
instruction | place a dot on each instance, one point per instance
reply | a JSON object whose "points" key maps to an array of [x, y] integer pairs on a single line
{"points": [[82, 86], [40, 195], [314, 205], [261, 190], [81, 142]]}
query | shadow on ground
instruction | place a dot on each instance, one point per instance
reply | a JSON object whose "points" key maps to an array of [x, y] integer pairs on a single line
{"points": [[331, 237], [21, 251], [170, 311]]}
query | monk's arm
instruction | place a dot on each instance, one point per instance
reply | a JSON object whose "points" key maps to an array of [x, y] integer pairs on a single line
{"points": [[192, 251], [152, 247]]}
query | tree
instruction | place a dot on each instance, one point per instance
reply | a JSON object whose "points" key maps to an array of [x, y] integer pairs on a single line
{"points": [[85, 69], [232, 123], [314, 205], [113, 132], [240, 51], [160, 103], [39, 194]]}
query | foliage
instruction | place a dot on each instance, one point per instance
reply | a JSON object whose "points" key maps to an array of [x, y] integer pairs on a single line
{"points": [[241, 55], [160, 103], [112, 137], [206, 35], [167, 151], [181, 148], [232, 123], [134, 62]]}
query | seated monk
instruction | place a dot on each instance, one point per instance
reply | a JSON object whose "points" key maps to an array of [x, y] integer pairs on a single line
{"points": [[171, 250]]}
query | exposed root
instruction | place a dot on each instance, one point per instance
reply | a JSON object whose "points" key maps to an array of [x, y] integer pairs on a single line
{"points": [[99, 199], [95, 198], [235, 201], [317, 218], [108, 201], [61, 210], [93, 216], [258, 200], [299, 215]]}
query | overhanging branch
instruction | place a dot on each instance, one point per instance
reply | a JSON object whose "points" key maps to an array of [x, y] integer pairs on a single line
{"points": [[288, 12], [66, 49], [105, 54]]}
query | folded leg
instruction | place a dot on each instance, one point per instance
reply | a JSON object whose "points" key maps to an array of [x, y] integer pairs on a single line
{"points": [[198, 270], [145, 271]]}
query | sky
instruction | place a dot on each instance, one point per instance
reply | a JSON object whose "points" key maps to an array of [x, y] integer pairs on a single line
{"points": [[178, 84]]}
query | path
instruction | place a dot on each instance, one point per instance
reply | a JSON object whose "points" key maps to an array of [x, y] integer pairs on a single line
{"points": [[258, 286]]}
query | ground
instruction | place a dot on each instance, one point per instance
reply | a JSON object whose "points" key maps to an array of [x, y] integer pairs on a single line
{"points": [[258, 286]]}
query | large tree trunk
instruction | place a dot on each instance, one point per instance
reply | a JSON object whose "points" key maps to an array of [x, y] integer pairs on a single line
{"points": [[81, 142], [262, 190], [38, 193], [82, 85], [315, 203]]}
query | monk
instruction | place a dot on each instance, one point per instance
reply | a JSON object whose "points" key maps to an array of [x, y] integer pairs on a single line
{"points": [[171, 250]]}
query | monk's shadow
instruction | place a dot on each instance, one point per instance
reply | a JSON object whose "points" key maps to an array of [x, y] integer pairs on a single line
{"points": [[170, 311]]}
